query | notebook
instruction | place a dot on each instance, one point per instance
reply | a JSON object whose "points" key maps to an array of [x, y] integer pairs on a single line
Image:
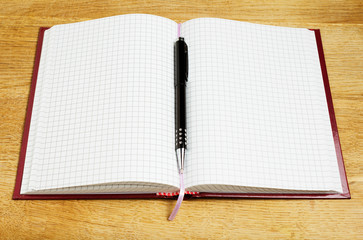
{"points": [[100, 116]]}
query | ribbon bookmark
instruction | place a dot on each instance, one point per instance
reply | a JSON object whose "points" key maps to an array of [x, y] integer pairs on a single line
{"points": [[180, 198]]}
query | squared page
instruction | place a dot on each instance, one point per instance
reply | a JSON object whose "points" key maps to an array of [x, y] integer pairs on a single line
{"points": [[103, 112], [257, 113]]}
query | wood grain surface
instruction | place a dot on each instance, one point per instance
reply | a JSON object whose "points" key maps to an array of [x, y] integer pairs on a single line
{"points": [[341, 24]]}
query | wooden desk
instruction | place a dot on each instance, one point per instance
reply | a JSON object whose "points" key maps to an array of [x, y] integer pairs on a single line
{"points": [[342, 32]]}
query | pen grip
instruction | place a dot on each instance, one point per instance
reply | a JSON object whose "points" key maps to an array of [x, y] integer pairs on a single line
{"points": [[180, 117]]}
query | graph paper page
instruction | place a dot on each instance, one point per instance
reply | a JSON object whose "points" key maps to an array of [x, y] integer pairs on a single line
{"points": [[257, 113], [106, 110]]}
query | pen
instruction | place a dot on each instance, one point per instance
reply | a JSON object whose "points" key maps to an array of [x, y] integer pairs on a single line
{"points": [[180, 84]]}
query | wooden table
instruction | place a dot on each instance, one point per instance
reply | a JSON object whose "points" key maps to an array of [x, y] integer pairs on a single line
{"points": [[342, 32]]}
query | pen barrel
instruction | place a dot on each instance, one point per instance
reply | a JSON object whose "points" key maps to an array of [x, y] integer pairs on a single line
{"points": [[180, 62], [180, 82]]}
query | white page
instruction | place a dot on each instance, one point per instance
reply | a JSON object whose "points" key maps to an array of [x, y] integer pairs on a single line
{"points": [[257, 113], [106, 109]]}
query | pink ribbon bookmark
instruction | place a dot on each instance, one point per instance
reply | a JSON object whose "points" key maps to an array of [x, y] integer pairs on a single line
{"points": [[180, 198], [179, 26]]}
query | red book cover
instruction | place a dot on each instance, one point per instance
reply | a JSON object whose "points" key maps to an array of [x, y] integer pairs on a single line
{"points": [[19, 176]]}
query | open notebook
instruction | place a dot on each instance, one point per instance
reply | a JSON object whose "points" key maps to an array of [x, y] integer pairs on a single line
{"points": [[100, 118]]}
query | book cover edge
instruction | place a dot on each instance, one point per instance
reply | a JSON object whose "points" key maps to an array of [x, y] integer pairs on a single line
{"points": [[333, 122], [28, 114]]}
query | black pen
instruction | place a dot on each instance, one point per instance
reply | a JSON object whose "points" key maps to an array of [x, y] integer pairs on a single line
{"points": [[180, 84]]}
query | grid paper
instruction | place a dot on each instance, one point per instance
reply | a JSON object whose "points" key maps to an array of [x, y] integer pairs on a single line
{"points": [[104, 109], [257, 113]]}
